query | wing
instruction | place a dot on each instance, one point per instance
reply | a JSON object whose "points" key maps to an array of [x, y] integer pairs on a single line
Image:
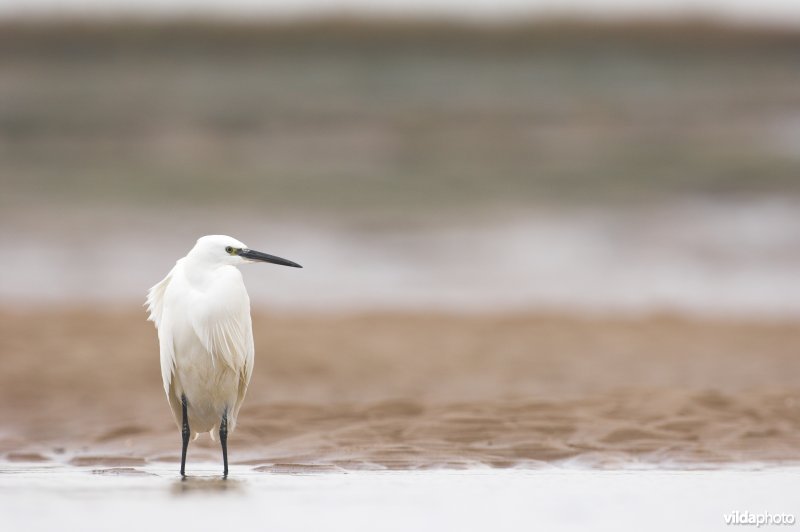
{"points": [[225, 329], [245, 373], [155, 298], [155, 308]]}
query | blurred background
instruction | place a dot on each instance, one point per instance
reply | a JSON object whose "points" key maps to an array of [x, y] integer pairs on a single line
{"points": [[491, 200], [602, 157]]}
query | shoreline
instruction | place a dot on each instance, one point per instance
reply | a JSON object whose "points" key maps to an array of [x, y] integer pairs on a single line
{"points": [[416, 391]]}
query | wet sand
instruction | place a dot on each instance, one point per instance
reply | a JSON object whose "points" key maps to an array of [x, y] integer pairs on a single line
{"points": [[81, 389]]}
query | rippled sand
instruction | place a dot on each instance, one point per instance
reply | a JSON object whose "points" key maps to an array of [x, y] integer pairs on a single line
{"points": [[413, 391]]}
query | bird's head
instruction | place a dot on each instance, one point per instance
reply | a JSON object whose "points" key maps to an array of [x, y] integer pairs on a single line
{"points": [[225, 250]]}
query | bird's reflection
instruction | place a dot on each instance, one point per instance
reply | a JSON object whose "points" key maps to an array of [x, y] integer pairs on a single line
{"points": [[189, 485]]}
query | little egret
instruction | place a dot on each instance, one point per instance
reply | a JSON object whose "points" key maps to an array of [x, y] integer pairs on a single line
{"points": [[202, 312]]}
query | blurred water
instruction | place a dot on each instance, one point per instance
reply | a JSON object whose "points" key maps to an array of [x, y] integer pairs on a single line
{"points": [[728, 259], [621, 168], [552, 498], [781, 11]]}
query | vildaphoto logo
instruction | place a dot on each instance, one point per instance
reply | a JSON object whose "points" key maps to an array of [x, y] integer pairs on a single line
{"points": [[758, 519]]}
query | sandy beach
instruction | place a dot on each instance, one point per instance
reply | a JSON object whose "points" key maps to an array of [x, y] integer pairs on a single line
{"points": [[549, 271], [415, 391]]}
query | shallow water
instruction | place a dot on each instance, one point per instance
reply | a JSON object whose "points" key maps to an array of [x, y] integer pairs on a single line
{"points": [[707, 258], [43, 498]]}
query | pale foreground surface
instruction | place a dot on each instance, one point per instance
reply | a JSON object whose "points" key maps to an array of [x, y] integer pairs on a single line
{"points": [[43, 498]]}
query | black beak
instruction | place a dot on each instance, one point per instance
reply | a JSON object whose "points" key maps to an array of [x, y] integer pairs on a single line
{"points": [[264, 257]]}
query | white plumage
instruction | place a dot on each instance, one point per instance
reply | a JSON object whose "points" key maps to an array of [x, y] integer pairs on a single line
{"points": [[202, 312]]}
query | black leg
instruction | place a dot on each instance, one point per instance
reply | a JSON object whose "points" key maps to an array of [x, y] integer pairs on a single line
{"points": [[185, 434], [223, 440]]}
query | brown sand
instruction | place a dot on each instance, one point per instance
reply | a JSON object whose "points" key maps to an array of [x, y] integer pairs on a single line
{"points": [[414, 391]]}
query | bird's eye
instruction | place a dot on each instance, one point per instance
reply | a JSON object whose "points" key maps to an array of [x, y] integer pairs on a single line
{"points": [[229, 250]]}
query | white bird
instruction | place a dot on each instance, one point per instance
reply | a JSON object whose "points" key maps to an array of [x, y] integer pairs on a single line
{"points": [[202, 312]]}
